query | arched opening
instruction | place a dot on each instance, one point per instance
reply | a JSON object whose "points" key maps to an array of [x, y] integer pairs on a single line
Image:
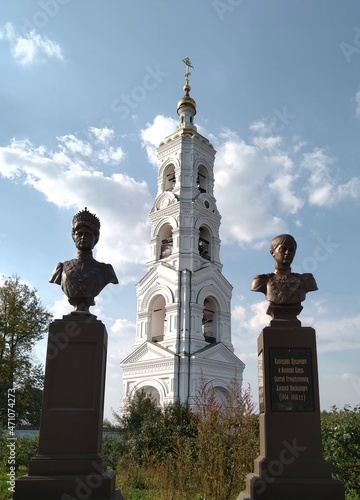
{"points": [[208, 320], [169, 178], [158, 319], [151, 392], [204, 243], [221, 396], [166, 241], [202, 179]]}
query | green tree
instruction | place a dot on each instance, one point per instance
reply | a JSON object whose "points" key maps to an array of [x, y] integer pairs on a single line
{"points": [[140, 426], [113, 449], [29, 395], [341, 445], [23, 322], [227, 442], [151, 432], [162, 446]]}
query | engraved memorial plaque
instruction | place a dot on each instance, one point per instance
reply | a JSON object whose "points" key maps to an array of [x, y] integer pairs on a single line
{"points": [[291, 380]]}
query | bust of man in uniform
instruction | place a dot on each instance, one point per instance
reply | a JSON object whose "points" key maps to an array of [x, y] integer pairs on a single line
{"points": [[282, 287], [82, 279]]}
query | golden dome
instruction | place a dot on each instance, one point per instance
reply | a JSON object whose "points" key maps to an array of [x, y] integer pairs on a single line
{"points": [[186, 101]]}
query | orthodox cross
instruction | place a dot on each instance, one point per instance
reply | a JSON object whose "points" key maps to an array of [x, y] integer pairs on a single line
{"points": [[188, 65]]}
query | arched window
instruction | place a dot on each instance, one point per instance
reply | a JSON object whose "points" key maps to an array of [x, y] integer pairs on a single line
{"points": [[208, 321], [169, 178], [151, 392], [221, 396], [166, 241], [202, 179], [158, 319], [204, 245]]}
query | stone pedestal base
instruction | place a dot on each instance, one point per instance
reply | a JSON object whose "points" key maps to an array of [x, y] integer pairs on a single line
{"points": [[290, 465], [70, 464], [292, 489], [72, 487]]}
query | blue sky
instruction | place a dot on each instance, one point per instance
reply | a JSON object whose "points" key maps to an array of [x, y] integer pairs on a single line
{"points": [[90, 88]]}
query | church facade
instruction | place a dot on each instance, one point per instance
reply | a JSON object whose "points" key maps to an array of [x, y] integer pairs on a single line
{"points": [[183, 326]]}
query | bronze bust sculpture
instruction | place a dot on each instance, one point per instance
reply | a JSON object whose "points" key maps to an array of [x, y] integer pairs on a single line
{"points": [[82, 279], [283, 288]]}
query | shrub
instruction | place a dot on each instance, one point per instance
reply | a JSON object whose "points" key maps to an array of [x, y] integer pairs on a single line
{"points": [[341, 445], [161, 446]]}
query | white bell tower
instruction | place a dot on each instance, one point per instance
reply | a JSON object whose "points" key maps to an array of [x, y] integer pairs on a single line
{"points": [[183, 330]]}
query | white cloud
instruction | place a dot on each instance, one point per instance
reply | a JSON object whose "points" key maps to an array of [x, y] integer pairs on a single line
{"points": [[121, 339], [261, 126], [155, 132], [357, 103], [338, 334], [30, 49], [298, 145], [318, 163], [334, 334], [322, 195], [260, 184], [238, 313], [72, 177], [249, 321], [259, 318], [282, 186], [72, 144], [250, 208], [111, 155], [270, 142], [102, 135], [248, 355], [349, 190], [60, 307], [324, 188]]}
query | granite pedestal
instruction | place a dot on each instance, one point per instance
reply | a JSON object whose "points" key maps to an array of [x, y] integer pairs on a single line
{"points": [[290, 464], [70, 464]]}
